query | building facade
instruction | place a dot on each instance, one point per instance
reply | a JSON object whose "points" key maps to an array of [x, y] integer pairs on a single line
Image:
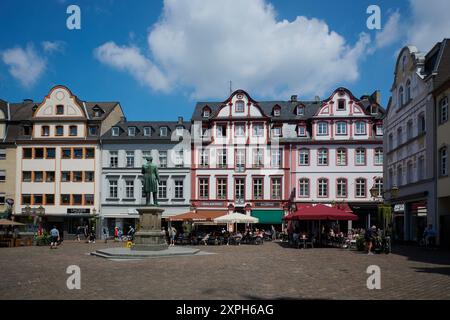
{"points": [[58, 159], [124, 149]]}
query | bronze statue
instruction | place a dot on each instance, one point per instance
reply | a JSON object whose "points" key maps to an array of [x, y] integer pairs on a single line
{"points": [[151, 180]]}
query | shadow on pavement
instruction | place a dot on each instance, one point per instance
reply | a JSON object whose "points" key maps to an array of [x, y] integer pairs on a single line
{"points": [[443, 270], [424, 255]]}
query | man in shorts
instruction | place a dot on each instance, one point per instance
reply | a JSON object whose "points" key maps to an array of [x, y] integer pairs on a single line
{"points": [[54, 235]]}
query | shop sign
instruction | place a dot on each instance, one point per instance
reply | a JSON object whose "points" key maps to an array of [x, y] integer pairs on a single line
{"points": [[78, 211], [211, 204], [399, 207], [266, 204]]}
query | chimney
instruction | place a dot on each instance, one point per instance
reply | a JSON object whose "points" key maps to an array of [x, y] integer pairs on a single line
{"points": [[294, 98], [180, 120], [317, 98], [376, 96]]}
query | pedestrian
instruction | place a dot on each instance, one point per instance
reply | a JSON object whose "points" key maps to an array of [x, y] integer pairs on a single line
{"points": [[92, 235], [369, 237], [116, 233], [172, 235], [54, 237], [86, 232], [78, 233], [274, 233], [105, 234]]}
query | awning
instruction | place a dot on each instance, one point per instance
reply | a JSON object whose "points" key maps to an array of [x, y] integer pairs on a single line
{"points": [[236, 217], [320, 212], [268, 216], [6, 222], [196, 216]]}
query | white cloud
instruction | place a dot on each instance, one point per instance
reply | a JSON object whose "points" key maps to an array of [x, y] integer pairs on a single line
{"points": [[201, 45], [392, 31], [131, 60], [25, 65], [430, 23], [53, 46]]}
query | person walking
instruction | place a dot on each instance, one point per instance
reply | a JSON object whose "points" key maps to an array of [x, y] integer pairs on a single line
{"points": [[86, 232], [78, 233], [92, 235], [172, 235], [105, 234], [274, 233], [54, 235], [116, 233]]}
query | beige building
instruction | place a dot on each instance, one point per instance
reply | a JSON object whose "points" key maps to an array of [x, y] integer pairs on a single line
{"points": [[7, 159]]}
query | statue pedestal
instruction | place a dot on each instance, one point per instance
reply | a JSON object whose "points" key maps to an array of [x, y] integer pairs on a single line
{"points": [[150, 237]]}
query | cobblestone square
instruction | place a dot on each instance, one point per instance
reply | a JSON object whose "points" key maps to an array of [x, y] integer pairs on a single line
{"points": [[268, 271]]}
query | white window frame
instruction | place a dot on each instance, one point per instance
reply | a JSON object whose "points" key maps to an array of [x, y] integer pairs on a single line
{"points": [[163, 131], [178, 188], [147, 131], [339, 128], [115, 131], [129, 189], [131, 131], [358, 128], [322, 128]]}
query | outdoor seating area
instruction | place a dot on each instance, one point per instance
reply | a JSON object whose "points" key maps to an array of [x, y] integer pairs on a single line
{"points": [[11, 236]]}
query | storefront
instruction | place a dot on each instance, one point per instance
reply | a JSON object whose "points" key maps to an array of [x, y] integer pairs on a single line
{"points": [[410, 220], [267, 218]]}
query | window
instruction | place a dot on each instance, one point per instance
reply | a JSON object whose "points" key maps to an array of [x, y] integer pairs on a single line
{"points": [[88, 199], [239, 130], [341, 105], [222, 158], [378, 158], [39, 153], [130, 159], [73, 130], [113, 159], [421, 168], [206, 113], [38, 199], [276, 112], [322, 157], [179, 186], [65, 176], [59, 109], [131, 131], [163, 131], [322, 128], [97, 112], [65, 199], [93, 130], [409, 172], [258, 191], [204, 188], [258, 130], [303, 188], [379, 130], [162, 189], [378, 184], [146, 154], [239, 106], [409, 130], [341, 185], [303, 157], [179, 158], [300, 110], [2, 154], [27, 130], [275, 158], [360, 128], [322, 188], [45, 131], [50, 176], [59, 130], [26, 199], [205, 132], [408, 91], [49, 199], [443, 110], [204, 157], [277, 131], [391, 141], [421, 123], [147, 131], [341, 128], [275, 189], [258, 158], [360, 188], [113, 189], [89, 176], [77, 176], [163, 159], [400, 97], [221, 131], [240, 160], [78, 153], [77, 199], [89, 153], [38, 176], [399, 176], [302, 131], [221, 188], [443, 161], [374, 109], [360, 157], [239, 191], [27, 153], [399, 136], [26, 176], [341, 157], [115, 131], [129, 189]]}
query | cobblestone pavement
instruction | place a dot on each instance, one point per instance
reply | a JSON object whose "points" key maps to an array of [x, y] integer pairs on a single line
{"points": [[268, 271]]}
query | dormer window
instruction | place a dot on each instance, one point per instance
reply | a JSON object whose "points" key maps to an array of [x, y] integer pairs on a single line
{"points": [[163, 131], [239, 106], [179, 131], [131, 131], [373, 109], [93, 130], [147, 131], [301, 131], [59, 109], [300, 110], [97, 111], [115, 131], [276, 111], [341, 105], [73, 130], [276, 132], [379, 130], [206, 112]]}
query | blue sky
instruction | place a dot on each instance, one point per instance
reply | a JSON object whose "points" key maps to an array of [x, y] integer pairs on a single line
{"points": [[158, 58]]}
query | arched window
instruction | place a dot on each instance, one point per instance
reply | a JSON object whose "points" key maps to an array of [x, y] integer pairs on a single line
{"points": [[378, 184], [399, 176], [303, 157], [400, 97], [409, 172], [421, 123], [239, 106], [322, 128], [443, 110], [303, 188], [409, 130], [341, 157], [443, 161], [391, 141], [360, 157], [399, 136], [341, 188], [322, 185], [408, 91], [360, 185]]}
